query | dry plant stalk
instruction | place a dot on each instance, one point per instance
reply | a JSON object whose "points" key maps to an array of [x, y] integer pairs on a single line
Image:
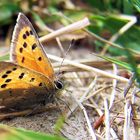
{"points": [[88, 68], [127, 121], [107, 120], [70, 28]]}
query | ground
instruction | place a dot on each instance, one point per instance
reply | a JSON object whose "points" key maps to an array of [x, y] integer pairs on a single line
{"points": [[78, 82]]}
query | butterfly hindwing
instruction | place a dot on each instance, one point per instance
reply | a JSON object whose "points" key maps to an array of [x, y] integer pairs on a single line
{"points": [[21, 87], [27, 51]]}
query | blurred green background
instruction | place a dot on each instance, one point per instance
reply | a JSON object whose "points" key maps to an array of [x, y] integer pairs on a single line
{"points": [[104, 16]]}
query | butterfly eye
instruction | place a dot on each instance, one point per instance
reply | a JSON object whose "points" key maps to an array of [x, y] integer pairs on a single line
{"points": [[58, 84]]}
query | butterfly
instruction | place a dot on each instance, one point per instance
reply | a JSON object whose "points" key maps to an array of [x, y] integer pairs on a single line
{"points": [[29, 79]]}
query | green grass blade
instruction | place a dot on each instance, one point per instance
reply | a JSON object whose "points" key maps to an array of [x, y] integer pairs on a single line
{"points": [[9, 133], [116, 61], [136, 3]]}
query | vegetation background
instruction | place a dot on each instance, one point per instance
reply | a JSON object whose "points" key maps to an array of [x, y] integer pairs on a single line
{"points": [[113, 34]]}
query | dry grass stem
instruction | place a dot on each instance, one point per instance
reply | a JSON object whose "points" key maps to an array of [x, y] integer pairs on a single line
{"points": [[89, 89], [99, 111], [70, 28], [77, 78], [114, 87], [84, 95], [97, 92], [96, 62], [114, 135], [133, 95], [88, 68], [129, 84], [90, 129], [132, 21], [107, 120], [127, 121]]}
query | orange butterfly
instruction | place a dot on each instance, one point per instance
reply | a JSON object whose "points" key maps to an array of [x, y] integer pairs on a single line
{"points": [[29, 79]]}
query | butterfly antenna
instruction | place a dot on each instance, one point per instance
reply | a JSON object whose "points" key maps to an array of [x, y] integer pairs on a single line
{"points": [[71, 44]]}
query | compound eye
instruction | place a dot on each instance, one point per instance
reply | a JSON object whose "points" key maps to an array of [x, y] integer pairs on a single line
{"points": [[58, 84]]}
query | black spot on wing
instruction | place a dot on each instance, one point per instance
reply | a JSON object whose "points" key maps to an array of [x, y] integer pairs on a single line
{"points": [[14, 69], [31, 33], [27, 33], [8, 80], [4, 76], [21, 75], [34, 46], [23, 59], [20, 50], [8, 72], [40, 84], [32, 79], [25, 45], [39, 58], [24, 36], [3, 86]]}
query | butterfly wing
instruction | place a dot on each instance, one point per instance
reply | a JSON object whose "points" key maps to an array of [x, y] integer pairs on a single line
{"points": [[27, 51], [21, 88]]}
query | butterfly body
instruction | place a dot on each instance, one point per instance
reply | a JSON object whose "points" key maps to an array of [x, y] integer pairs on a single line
{"points": [[28, 80]]}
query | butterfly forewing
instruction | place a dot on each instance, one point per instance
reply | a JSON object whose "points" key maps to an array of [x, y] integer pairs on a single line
{"points": [[27, 51]]}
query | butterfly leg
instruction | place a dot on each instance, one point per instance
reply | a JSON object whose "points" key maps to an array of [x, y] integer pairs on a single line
{"points": [[35, 108]]}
